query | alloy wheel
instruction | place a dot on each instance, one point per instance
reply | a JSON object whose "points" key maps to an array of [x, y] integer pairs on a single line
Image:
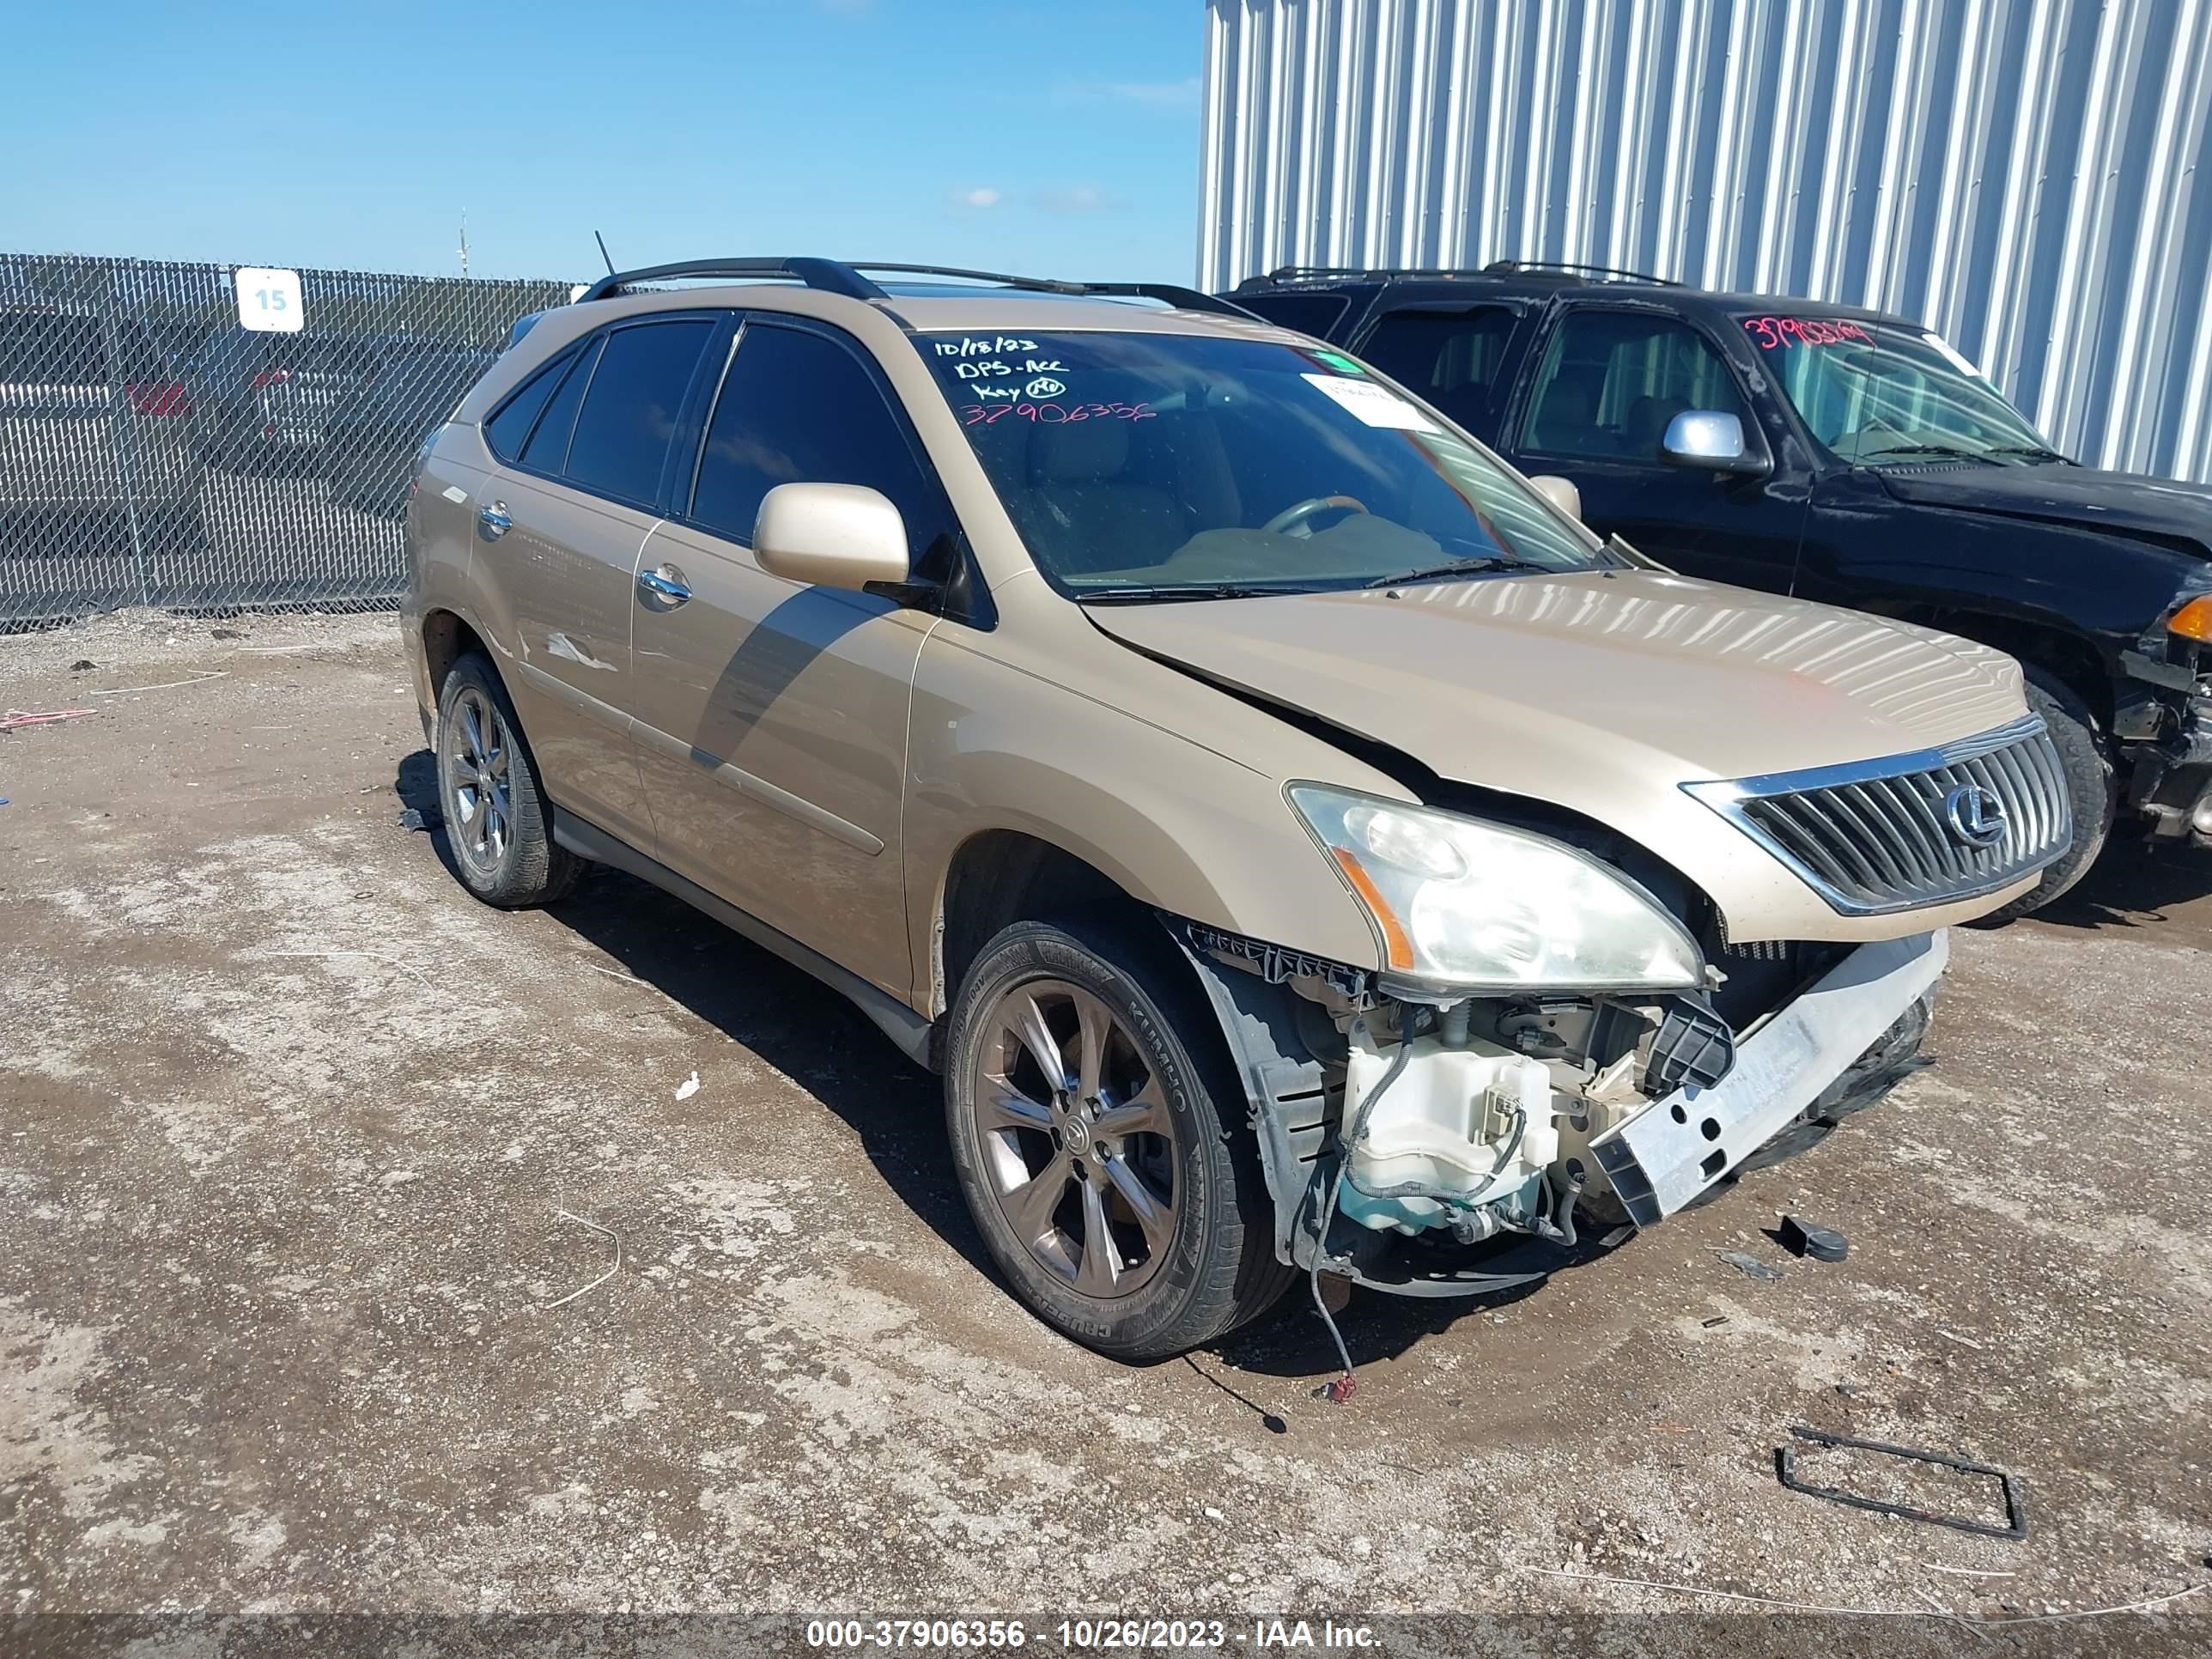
{"points": [[1078, 1143], [475, 759]]}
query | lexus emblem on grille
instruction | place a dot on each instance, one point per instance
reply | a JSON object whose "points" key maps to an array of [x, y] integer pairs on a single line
{"points": [[1976, 816]]}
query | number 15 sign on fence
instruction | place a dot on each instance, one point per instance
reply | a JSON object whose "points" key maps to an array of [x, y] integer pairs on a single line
{"points": [[269, 300]]}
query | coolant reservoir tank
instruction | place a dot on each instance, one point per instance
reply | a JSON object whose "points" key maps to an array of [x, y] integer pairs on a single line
{"points": [[1444, 1122]]}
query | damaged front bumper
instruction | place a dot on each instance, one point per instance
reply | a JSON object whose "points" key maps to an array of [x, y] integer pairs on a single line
{"points": [[1835, 1046], [2166, 739], [1662, 1158]]}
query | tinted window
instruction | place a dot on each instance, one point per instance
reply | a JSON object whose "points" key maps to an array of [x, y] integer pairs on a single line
{"points": [[798, 408], [1613, 379], [507, 431], [1309, 313], [549, 444], [1450, 358], [629, 412]]}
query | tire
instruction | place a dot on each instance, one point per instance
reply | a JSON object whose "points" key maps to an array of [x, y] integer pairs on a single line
{"points": [[1211, 1266], [502, 845], [2092, 789]]}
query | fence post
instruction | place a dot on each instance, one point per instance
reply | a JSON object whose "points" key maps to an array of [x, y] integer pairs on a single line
{"points": [[126, 438]]}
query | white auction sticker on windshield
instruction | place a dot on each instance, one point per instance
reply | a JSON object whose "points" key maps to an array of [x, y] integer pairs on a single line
{"points": [[1375, 406]]}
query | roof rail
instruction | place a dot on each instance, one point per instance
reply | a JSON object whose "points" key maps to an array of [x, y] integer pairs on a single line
{"points": [[1495, 268], [1515, 267], [1168, 293], [837, 277], [831, 276]]}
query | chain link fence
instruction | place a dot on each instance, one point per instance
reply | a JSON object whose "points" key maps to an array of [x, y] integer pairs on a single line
{"points": [[154, 451]]}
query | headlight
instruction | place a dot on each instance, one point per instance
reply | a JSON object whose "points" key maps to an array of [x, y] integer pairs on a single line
{"points": [[1473, 904]]}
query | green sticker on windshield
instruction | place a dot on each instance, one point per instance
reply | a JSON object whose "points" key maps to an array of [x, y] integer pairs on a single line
{"points": [[1339, 362]]}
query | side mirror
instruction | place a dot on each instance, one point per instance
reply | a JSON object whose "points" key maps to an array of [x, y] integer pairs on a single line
{"points": [[1709, 441], [830, 536], [1561, 493]]}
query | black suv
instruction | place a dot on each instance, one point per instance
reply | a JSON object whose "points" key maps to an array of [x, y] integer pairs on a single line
{"points": [[1837, 454]]}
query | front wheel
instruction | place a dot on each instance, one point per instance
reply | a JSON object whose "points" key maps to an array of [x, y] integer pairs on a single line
{"points": [[2091, 788], [1084, 1098]]}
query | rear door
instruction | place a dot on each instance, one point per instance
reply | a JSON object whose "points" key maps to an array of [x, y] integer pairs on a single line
{"points": [[558, 529], [1454, 354], [1607, 379], [772, 716]]}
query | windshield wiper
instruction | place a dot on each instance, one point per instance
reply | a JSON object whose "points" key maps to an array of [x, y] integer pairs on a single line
{"points": [[2032, 451], [1167, 590], [1437, 573], [1950, 452]]}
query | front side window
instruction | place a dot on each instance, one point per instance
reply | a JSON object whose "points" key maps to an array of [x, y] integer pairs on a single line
{"points": [[1887, 395], [796, 407], [1450, 357], [630, 409], [1611, 381], [1135, 461]]}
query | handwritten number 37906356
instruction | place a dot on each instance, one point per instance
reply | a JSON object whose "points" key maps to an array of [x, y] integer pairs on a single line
{"points": [[1054, 414]]}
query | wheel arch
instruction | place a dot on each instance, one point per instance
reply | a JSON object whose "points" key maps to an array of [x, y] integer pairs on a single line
{"points": [[1002, 875], [448, 636]]}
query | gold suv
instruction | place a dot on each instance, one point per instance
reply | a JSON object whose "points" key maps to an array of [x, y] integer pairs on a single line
{"points": [[1302, 846]]}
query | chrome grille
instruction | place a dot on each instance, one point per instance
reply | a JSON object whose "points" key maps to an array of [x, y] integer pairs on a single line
{"points": [[1894, 835]]}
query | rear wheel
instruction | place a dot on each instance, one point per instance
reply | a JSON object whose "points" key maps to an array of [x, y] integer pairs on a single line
{"points": [[497, 824], [2091, 788], [1084, 1097]]}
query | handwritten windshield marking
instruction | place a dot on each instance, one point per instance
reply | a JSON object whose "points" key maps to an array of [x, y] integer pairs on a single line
{"points": [[1050, 414], [988, 345], [1774, 333]]}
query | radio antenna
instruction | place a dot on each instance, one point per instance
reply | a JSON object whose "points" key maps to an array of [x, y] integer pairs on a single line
{"points": [[604, 254]]}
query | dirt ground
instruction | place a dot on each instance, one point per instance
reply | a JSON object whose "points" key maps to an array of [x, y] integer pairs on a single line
{"points": [[288, 1126]]}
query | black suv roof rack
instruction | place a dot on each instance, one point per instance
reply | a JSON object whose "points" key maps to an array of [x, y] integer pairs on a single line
{"points": [[1495, 268], [837, 277]]}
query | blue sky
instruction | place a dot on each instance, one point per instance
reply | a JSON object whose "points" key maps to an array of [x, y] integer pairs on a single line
{"points": [[1059, 136]]}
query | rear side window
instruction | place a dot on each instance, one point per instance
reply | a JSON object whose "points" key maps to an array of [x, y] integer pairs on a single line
{"points": [[1613, 379], [629, 413], [798, 408], [1450, 358], [510, 429], [548, 449], [1309, 313]]}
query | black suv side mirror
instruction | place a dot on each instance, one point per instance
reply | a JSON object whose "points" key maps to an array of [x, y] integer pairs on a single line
{"points": [[1710, 441]]}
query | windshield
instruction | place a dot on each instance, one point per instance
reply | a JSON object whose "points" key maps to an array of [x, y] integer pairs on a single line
{"points": [[1142, 465], [1885, 396]]}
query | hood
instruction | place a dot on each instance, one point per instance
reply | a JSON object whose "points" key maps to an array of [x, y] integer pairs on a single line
{"points": [[2177, 514], [1548, 685], [1604, 693]]}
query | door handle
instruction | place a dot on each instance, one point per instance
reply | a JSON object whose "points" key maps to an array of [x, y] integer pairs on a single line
{"points": [[666, 585], [492, 521]]}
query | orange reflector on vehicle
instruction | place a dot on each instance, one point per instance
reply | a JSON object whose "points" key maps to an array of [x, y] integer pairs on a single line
{"points": [[2194, 620], [1397, 949]]}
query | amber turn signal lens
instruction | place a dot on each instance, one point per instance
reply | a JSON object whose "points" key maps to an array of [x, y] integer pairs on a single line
{"points": [[1397, 949], [2194, 620]]}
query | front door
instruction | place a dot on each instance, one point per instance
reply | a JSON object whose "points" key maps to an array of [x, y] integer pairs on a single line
{"points": [[1606, 385], [772, 714]]}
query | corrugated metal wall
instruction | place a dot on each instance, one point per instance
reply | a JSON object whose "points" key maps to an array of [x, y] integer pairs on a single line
{"points": [[2029, 176]]}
